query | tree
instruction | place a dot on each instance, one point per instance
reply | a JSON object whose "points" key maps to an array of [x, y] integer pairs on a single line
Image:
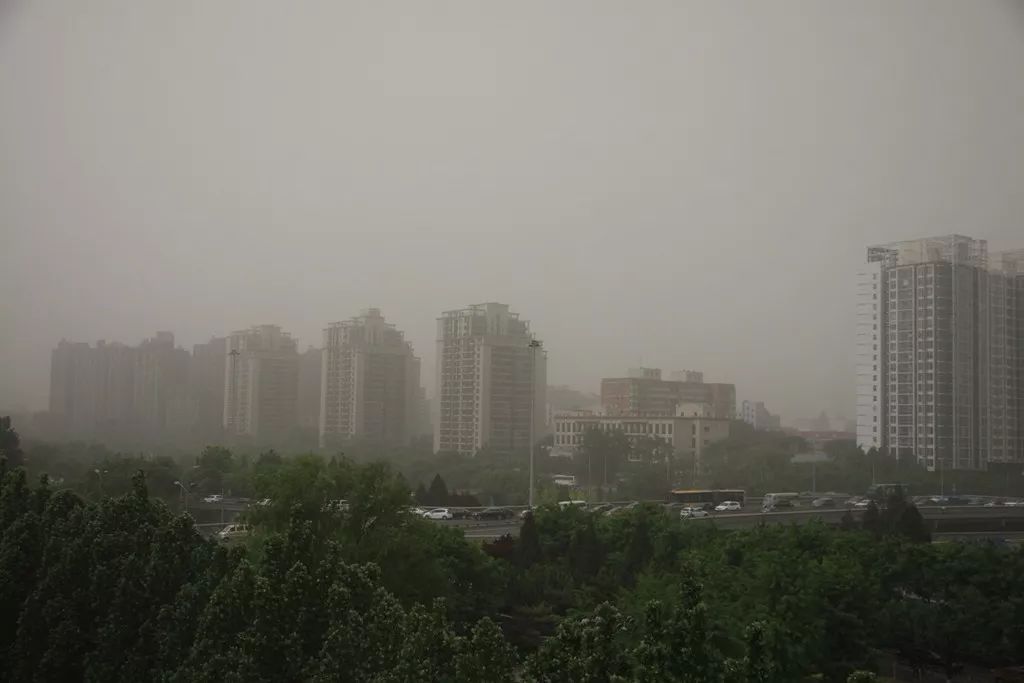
{"points": [[485, 656], [872, 519], [437, 495], [528, 547], [10, 444], [584, 650]]}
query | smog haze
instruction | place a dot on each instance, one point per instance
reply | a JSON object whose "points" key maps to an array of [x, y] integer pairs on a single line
{"points": [[667, 184]]}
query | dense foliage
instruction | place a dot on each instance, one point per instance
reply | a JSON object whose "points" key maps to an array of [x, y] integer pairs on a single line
{"points": [[339, 582]]}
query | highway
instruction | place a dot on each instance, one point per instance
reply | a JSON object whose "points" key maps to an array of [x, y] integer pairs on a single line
{"points": [[952, 521], [942, 521]]}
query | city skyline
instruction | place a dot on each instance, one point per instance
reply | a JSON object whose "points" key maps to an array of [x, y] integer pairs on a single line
{"points": [[700, 178]]}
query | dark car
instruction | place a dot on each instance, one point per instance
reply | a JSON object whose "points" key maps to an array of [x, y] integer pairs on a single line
{"points": [[493, 513], [460, 513]]}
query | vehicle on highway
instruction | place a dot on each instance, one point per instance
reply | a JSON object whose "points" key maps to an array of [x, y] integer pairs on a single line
{"points": [[523, 514], [693, 513], [234, 531], [263, 502], [460, 513], [994, 504], [621, 509], [493, 513], [335, 506], [862, 503], [572, 503], [729, 506], [600, 508], [706, 498], [214, 498], [417, 511], [824, 502], [776, 501], [437, 513]]}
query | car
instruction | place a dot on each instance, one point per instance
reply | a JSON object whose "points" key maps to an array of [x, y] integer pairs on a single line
{"points": [[693, 513], [862, 503], [525, 512], [493, 513], [728, 506], [437, 513], [263, 502], [417, 511], [234, 531], [824, 502], [334, 506], [460, 513], [599, 509], [994, 504], [214, 498]]}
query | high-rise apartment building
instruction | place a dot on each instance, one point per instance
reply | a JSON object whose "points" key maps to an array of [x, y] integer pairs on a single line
{"points": [[370, 381], [160, 381], [643, 392], [261, 380], [206, 385], [491, 381], [938, 352], [115, 390], [73, 388], [310, 385]]}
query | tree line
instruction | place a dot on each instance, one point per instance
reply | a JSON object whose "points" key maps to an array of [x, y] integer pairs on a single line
{"points": [[120, 587]]}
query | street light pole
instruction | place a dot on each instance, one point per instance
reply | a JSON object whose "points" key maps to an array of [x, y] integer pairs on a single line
{"points": [[184, 492], [534, 345]]}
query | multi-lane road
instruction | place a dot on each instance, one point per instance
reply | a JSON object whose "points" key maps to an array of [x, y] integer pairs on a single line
{"points": [[958, 520]]}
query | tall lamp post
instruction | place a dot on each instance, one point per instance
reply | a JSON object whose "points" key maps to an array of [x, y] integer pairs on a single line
{"points": [[184, 492], [534, 345]]}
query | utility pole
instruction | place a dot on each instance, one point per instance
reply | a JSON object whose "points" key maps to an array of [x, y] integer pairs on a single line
{"points": [[534, 345]]}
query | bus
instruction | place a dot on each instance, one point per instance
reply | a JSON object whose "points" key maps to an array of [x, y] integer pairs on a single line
{"points": [[776, 501], [706, 498]]}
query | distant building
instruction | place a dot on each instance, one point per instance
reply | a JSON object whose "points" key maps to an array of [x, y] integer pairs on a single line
{"points": [[73, 388], [261, 382], [644, 392], [370, 384], [310, 386], [757, 416], [115, 390], [490, 381], [686, 435], [939, 352], [206, 386], [161, 381]]}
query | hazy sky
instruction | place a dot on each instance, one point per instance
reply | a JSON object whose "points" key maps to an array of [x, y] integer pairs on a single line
{"points": [[682, 184]]}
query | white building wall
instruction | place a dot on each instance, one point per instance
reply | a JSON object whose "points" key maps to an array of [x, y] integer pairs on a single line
{"points": [[870, 356]]}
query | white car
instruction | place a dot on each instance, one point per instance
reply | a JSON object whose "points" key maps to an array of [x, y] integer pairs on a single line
{"points": [[693, 513], [438, 513], [233, 531], [215, 498], [862, 503], [728, 506]]}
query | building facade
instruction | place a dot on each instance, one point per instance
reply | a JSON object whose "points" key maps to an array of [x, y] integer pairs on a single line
{"points": [[310, 388], [491, 381], [113, 390], [644, 392], [687, 435], [938, 353], [370, 382], [755, 414], [261, 378], [206, 386]]}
